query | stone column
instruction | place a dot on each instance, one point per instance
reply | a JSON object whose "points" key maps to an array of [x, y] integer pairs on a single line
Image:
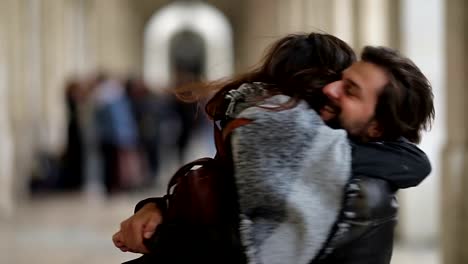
{"points": [[422, 40], [343, 21], [6, 151], [372, 22], [77, 39], [65, 52], [290, 17], [115, 26], [58, 64], [16, 15], [266, 21], [258, 29], [318, 15], [455, 158]]}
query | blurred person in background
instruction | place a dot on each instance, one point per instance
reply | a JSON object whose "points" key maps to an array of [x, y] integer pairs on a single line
{"points": [[307, 193], [73, 173], [66, 171], [117, 136], [146, 112]]}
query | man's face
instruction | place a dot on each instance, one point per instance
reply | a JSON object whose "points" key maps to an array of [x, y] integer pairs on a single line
{"points": [[352, 100]]}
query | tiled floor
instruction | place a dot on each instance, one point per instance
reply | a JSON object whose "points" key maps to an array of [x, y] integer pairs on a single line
{"points": [[65, 229], [410, 255], [77, 228]]}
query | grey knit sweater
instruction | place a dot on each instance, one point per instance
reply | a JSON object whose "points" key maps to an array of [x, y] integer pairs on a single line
{"points": [[290, 171]]}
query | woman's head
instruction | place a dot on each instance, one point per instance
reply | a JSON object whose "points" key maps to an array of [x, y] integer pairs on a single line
{"points": [[297, 65], [294, 54]]}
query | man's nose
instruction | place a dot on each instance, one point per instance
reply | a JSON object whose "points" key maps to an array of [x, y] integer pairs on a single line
{"points": [[333, 90]]}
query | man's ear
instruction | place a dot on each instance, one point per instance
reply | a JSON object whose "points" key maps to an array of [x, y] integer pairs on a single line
{"points": [[374, 130]]}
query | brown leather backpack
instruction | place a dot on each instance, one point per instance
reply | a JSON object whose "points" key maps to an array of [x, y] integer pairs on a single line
{"points": [[200, 216]]}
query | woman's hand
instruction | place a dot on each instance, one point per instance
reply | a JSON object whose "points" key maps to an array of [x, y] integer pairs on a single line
{"points": [[138, 227]]}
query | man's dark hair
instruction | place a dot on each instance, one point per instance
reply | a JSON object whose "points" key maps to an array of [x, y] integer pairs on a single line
{"points": [[405, 106]]}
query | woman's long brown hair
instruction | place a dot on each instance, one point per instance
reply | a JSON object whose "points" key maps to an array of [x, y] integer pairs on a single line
{"points": [[298, 65]]}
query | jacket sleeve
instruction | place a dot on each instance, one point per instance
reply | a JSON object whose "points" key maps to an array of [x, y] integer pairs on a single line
{"points": [[177, 243], [400, 162], [159, 201]]}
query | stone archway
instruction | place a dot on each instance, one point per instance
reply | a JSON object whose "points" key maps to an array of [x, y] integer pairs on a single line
{"points": [[197, 17], [187, 54]]}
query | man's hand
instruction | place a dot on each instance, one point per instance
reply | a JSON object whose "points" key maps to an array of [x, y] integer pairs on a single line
{"points": [[138, 227]]}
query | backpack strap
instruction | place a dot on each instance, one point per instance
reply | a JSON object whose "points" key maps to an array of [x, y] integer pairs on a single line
{"points": [[221, 134]]}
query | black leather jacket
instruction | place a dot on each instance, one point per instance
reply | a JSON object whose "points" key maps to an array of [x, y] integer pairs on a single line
{"points": [[364, 231]]}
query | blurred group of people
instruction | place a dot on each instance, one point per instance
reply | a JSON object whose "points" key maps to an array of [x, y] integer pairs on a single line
{"points": [[125, 126]]}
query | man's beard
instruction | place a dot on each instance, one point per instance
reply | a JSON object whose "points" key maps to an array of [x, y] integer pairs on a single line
{"points": [[334, 123]]}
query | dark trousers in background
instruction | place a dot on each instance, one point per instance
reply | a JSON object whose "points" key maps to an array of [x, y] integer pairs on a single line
{"points": [[109, 154]]}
